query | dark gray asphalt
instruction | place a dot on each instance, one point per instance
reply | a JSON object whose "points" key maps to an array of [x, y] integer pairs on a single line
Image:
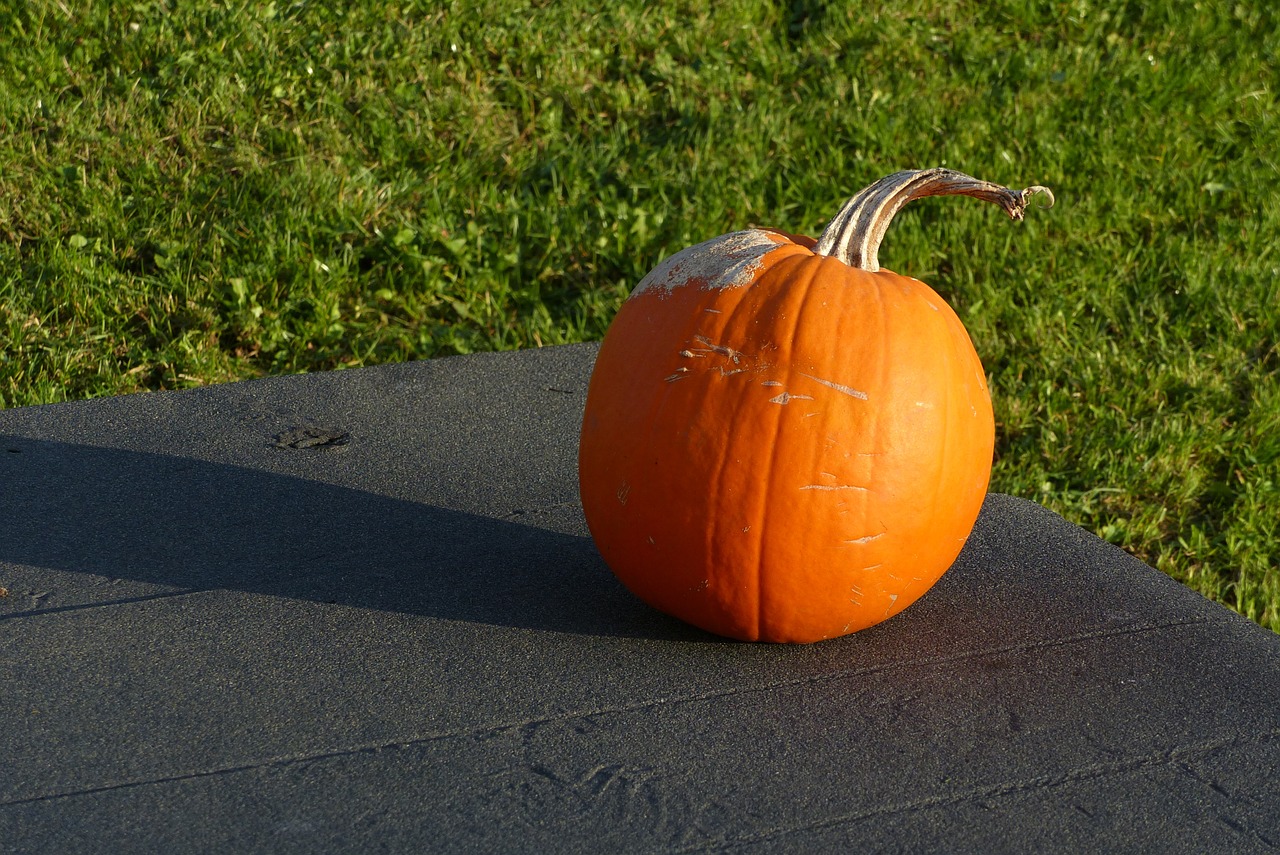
{"points": [[358, 612]]}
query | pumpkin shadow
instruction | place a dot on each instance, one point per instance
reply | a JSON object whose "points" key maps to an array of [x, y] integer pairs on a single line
{"points": [[188, 524]]}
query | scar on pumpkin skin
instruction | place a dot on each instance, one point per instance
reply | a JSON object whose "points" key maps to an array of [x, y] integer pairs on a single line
{"points": [[833, 487], [867, 539], [848, 390], [735, 355]]}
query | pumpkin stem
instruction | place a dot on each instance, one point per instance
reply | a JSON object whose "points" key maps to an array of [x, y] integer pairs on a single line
{"points": [[854, 234]]}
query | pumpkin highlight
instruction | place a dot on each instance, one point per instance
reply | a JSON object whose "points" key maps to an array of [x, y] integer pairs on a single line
{"points": [[782, 442]]}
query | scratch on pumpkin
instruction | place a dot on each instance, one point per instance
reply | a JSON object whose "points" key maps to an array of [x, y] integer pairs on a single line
{"points": [[833, 487], [839, 387], [867, 539], [785, 398], [735, 355]]}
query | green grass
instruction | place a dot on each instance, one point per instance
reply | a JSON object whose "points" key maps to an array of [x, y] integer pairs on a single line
{"points": [[196, 192]]}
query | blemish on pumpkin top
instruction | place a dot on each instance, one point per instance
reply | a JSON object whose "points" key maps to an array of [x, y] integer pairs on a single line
{"points": [[728, 261]]}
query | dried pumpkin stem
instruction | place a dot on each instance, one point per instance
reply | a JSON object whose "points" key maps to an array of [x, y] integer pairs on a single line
{"points": [[854, 235]]}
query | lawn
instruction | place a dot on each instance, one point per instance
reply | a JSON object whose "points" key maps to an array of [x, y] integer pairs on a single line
{"points": [[194, 192]]}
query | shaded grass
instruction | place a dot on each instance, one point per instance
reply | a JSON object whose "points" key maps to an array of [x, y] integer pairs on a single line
{"points": [[207, 191]]}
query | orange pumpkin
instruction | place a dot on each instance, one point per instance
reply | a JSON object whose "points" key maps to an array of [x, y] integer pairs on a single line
{"points": [[783, 442]]}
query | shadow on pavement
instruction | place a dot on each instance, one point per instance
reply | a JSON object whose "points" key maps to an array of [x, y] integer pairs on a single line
{"points": [[193, 524]]}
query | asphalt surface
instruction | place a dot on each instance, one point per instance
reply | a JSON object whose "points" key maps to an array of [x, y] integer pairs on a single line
{"points": [[359, 611]]}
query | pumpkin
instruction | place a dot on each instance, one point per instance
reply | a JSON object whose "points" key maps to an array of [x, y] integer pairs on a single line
{"points": [[781, 441]]}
